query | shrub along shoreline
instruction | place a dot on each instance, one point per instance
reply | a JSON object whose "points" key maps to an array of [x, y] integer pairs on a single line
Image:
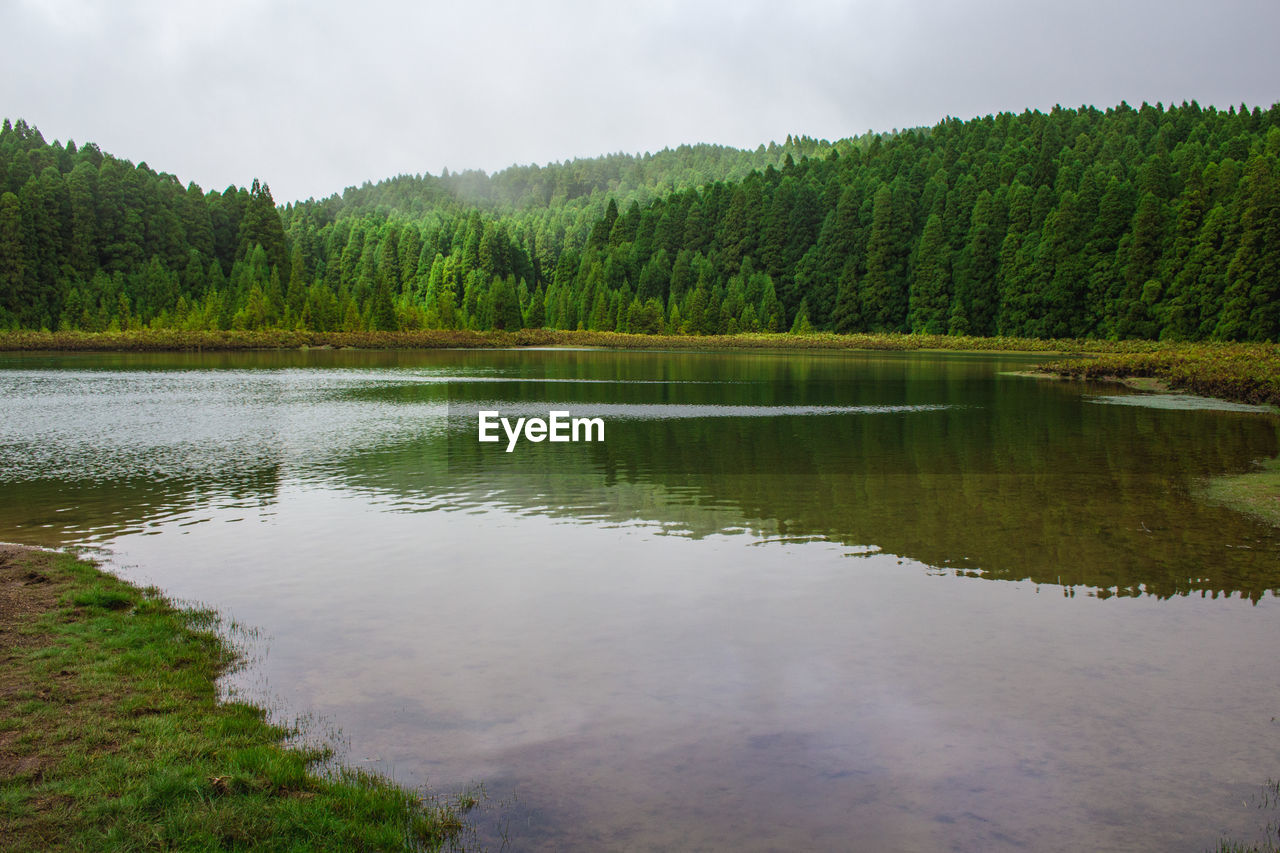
{"points": [[112, 735], [1244, 373], [160, 340]]}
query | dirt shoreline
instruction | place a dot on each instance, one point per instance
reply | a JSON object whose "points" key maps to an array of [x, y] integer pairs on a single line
{"points": [[26, 593]]}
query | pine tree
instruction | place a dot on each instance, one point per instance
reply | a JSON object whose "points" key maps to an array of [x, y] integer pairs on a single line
{"points": [[930, 291], [976, 297], [599, 237], [81, 188], [1252, 310], [535, 316], [261, 226], [847, 315], [883, 292], [505, 304], [801, 324], [15, 284]]}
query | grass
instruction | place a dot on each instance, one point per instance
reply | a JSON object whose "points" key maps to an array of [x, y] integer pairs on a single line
{"points": [[1268, 801], [112, 736], [1256, 493]]}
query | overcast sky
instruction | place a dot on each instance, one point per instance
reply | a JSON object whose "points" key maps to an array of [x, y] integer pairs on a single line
{"points": [[319, 95]]}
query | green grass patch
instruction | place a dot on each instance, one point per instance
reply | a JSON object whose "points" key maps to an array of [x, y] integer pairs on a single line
{"points": [[112, 736], [1256, 493]]}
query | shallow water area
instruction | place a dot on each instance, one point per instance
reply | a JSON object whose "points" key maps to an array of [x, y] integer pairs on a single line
{"points": [[1182, 402], [821, 600]]}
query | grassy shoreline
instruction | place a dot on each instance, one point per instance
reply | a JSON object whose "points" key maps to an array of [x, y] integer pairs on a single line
{"points": [[112, 735], [161, 340], [1244, 373]]}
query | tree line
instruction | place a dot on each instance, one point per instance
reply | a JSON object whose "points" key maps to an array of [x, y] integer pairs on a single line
{"points": [[1146, 222]]}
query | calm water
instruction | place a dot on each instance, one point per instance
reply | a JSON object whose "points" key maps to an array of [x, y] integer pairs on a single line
{"points": [[792, 602]]}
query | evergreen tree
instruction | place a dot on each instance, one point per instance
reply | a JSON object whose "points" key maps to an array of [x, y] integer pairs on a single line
{"points": [[883, 293], [1121, 223], [1254, 271], [847, 315], [261, 226], [535, 316], [930, 292], [16, 284], [505, 304]]}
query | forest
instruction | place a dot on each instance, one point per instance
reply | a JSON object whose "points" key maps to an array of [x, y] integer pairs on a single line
{"points": [[1152, 222]]}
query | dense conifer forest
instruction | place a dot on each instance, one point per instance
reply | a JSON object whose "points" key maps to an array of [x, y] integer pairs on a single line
{"points": [[1149, 222]]}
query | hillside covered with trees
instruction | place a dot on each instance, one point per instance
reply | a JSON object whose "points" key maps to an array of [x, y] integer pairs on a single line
{"points": [[1145, 222]]}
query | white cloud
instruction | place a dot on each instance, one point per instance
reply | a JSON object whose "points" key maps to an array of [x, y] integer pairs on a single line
{"points": [[316, 96]]}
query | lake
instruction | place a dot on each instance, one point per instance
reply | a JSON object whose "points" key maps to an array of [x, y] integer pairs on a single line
{"points": [[793, 601]]}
